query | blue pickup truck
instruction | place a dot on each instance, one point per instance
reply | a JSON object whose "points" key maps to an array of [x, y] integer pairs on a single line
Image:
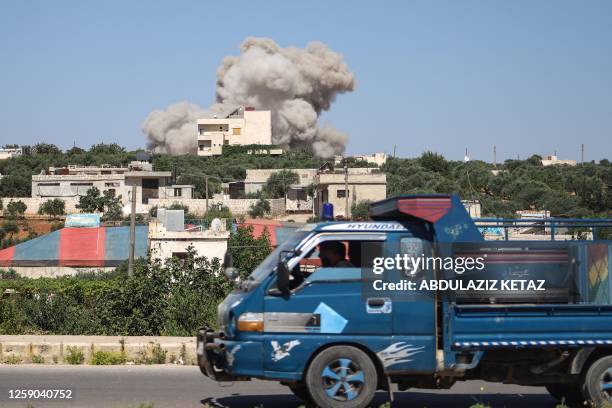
{"points": [[533, 312]]}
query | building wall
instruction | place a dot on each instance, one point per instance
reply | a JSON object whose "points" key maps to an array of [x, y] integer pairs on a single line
{"points": [[33, 203], [258, 128], [236, 206], [255, 127], [363, 185]]}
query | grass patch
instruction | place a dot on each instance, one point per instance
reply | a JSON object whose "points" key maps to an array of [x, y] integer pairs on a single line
{"points": [[156, 355], [38, 359], [101, 357], [12, 359], [74, 355]]}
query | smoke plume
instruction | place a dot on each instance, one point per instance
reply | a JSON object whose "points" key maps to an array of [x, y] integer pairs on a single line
{"points": [[295, 84]]}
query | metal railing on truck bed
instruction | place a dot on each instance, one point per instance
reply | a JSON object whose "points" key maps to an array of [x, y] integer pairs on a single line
{"points": [[553, 229]]}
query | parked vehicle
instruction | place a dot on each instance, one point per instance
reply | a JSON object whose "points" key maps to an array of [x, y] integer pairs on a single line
{"points": [[334, 340]]}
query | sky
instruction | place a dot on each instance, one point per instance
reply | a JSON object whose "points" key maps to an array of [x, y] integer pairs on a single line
{"points": [[529, 77]]}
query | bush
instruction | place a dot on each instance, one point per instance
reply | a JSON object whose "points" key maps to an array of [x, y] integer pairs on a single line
{"points": [[171, 298], [157, 355], [12, 359], [54, 207], [360, 211], [260, 208], [102, 357], [74, 355], [37, 359], [15, 209]]}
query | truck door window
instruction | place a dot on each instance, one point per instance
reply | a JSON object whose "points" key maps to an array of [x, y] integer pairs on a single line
{"points": [[326, 254]]}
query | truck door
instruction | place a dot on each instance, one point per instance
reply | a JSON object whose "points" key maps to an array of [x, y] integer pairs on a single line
{"points": [[413, 346], [325, 306]]}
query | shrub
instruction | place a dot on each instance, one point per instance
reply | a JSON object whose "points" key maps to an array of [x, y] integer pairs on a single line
{"points": [[102, 357], [260, 208], [156, 356], [54, 207], [74, 355], [37, 359], [16, 209], [12, 359]]}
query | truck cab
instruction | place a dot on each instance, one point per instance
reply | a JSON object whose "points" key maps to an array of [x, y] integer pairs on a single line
{"points": [[334, 313]]}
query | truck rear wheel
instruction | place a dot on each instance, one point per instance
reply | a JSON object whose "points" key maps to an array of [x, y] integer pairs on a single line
{"points": [[342, 377], [597, 384]]}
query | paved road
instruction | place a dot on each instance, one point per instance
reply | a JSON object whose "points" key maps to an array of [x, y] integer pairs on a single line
{"points": [[179, 386]]}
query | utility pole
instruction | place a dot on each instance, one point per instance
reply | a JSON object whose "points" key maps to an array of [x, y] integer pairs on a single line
{"points": [[494, 156], [132, 233], [394, 147], [346, 193], [582, 154], [206, 177]]}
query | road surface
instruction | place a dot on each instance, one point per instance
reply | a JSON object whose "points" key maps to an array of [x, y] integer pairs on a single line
{"points": [[171, 386]]}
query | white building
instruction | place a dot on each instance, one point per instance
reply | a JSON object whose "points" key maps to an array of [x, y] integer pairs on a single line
{"points": [[244, 126], [554, 160], [169, 238], [9, 153], [378, 159], [75, 181]]}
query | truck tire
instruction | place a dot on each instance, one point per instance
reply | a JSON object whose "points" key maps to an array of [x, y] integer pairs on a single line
{"points": [[342, 377], [569, 393], [301, 391], [597, 382]]}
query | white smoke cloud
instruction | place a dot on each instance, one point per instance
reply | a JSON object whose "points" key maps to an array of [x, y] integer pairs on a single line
{"points": [[295, 84]]}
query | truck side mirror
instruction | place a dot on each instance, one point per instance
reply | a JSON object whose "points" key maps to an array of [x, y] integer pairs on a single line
{"points": [[282, 277]]}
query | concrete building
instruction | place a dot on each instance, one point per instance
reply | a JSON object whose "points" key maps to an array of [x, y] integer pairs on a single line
{"points": [[364, 184], [75, 181], [257, 178], [169, 237], [9, 153], [473, 208], [554, 160], [244, 126], [377, 159]]}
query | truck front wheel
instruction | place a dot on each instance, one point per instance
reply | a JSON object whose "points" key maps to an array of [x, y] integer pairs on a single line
{"points": [[597, 385], [342, 377]]}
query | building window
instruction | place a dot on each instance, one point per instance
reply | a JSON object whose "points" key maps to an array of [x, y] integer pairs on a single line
{"points": [[341, 193], [49, 184], [180, 255], [236, 131], [81, 184], [178, 192]]}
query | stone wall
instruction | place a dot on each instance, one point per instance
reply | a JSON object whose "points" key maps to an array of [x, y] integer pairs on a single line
{"points": [[236, 206], [33, 203]]}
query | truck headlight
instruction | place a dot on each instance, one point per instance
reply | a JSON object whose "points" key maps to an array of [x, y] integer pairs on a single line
{"points": [[250, 322]]}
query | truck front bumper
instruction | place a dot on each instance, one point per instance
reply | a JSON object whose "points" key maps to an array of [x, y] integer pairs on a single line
{"points": [[216, 357]]}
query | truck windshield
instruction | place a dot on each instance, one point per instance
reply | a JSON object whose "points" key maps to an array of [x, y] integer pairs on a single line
{"points": [[265, 268]]}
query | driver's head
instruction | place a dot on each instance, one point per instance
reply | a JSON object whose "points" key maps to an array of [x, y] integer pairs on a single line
{"points": [[331, 252]]}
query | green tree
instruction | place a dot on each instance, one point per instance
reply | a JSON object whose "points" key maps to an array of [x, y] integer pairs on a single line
{"points": [[361, 210], [15, 209], [278, 183], [246, 250], [91, 202], [260, 209], [54, 207], [45, 148]]}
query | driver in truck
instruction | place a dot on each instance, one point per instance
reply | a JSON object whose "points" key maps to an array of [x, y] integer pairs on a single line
{"points": [[333, 255]]}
